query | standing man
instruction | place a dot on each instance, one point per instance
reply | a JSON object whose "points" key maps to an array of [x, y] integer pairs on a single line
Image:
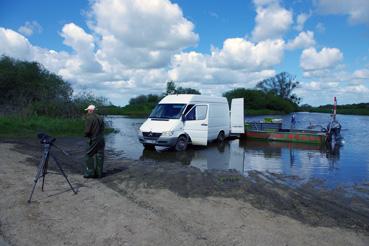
{"points": [[94, 129], [293, 121]]}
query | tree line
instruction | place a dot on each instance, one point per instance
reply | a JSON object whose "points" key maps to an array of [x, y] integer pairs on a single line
{"points": [[353, 109], [27, 88]]}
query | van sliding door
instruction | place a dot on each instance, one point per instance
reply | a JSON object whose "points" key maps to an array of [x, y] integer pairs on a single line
{"points": [[196, 124]]}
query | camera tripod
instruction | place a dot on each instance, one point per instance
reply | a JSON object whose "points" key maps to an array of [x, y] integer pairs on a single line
{"points": [[44, 162]]}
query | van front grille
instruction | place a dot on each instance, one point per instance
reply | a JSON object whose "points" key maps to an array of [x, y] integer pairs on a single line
{"points": [[151, 135]]}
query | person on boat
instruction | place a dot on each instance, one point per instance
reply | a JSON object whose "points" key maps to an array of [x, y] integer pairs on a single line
{"points": [[293, 121], [334, 129]]}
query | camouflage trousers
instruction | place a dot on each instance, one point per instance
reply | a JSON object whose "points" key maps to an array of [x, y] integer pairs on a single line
{"points": [[95, 163]]}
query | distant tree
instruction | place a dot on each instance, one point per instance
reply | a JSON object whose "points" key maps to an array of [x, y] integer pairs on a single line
{"points": [[150, 99], [181, 90], [282, 85], [23, 83], [141, 99], [259, 100], [84, 98], [153, 99], [305, 107], [173, 89]]}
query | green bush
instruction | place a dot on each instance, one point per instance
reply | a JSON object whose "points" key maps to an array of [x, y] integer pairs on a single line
{"points": [[16, 126], [30, 126], [259, 102]]}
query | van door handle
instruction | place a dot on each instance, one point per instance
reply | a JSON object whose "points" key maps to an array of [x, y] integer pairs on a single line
{"points": [[204, 124]]}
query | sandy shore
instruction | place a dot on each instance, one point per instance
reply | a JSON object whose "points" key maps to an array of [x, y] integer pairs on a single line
{"points": [[128, 208]]}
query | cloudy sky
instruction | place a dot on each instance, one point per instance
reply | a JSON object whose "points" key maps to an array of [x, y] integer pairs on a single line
{"points": [[123, 48]]}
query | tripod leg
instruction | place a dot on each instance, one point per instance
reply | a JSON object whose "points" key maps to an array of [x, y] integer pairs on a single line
{"points": [[38, 174], [62, 172], [44, 172]]}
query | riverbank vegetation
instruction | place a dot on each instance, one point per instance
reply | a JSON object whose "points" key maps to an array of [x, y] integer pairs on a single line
{"points": [[350, 109], [257, 102], [29, 126], [34, 99]]}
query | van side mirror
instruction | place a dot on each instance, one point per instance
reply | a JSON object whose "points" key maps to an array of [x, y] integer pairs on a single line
{"points": [[183, 117]]}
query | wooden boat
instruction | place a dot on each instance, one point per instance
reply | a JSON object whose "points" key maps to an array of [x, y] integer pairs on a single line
{"points": [[271, 129], [260, 144], [274, 132], [287, 135]]}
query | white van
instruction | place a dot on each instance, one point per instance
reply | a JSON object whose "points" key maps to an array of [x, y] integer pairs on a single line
{"points": [[179, 120]]}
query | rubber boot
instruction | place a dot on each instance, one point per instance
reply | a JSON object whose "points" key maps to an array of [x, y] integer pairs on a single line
{"points": [[99, 164], [90, 167]]}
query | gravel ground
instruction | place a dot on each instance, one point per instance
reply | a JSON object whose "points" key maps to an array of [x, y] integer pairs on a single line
{"points": [[139, 203]]}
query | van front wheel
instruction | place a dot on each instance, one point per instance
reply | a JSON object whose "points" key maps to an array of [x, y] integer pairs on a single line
{"points": [[182, 143], [221, 137], [149, 146]]}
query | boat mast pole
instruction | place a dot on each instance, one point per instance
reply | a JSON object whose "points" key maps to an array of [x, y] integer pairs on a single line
{"points": [[334, 108]]}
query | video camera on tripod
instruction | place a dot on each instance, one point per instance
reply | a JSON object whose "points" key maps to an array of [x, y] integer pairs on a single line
{"points": [[47, 141]]}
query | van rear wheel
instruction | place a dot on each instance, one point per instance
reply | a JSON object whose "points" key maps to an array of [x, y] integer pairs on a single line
{"points": [[182, 143], [221, 137]]}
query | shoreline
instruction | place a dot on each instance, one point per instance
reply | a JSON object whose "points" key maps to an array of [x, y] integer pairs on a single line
{"points": [[167, 191]]}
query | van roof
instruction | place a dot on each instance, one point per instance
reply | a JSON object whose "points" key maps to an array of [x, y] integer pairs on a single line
{"points": [[189, 98]]}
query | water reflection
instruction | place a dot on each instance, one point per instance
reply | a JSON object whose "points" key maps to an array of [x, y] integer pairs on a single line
{"points": [[346, 165], [245, 155]]}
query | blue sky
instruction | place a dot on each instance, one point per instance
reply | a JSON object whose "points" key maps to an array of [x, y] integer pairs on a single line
{"points": [[124, 48]]}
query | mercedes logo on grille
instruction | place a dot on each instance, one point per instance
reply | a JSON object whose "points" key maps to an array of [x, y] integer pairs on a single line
{"points": [[150, 134]]}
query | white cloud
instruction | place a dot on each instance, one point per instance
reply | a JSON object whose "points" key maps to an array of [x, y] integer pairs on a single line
{"points": [[357, 10], [321, 85], [198, 70], [238, 63], [313, 85], [320, 27], [140, 33], [83, 44], [361, 74], [126, 51], [75, 37], [238, 53], [133, 47], [30, 27], [272, 21], [323, 91], [326, 58], [300, 21], [303, 40], [355, 89], [14, 44]]}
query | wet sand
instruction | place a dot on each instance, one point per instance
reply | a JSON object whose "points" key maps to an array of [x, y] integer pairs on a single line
{"points": [[159, 203]]}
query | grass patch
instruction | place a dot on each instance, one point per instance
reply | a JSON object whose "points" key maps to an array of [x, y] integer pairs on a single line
{"points": [[15, 126]]}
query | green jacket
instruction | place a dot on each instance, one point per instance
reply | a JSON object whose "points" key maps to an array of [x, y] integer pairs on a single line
{"points": [[94, 127]]}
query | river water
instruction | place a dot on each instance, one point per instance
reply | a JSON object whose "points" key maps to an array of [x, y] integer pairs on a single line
{"points": [[345, 166]]}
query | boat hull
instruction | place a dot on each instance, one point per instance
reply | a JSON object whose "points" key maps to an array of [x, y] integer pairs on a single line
{"points": [[308, 137]]}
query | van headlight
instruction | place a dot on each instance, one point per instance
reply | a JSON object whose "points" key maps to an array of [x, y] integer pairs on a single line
{"points": [[140, 133], [167, 134]]}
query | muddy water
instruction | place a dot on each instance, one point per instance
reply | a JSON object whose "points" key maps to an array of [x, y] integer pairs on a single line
{"points": [[345, 166]]}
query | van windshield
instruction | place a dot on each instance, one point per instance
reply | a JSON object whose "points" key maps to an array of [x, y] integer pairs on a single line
{"points": [[167, 111]]}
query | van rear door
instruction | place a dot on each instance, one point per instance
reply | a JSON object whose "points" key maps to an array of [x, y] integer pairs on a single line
{"points": [[237, 116], [196, 124]]}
